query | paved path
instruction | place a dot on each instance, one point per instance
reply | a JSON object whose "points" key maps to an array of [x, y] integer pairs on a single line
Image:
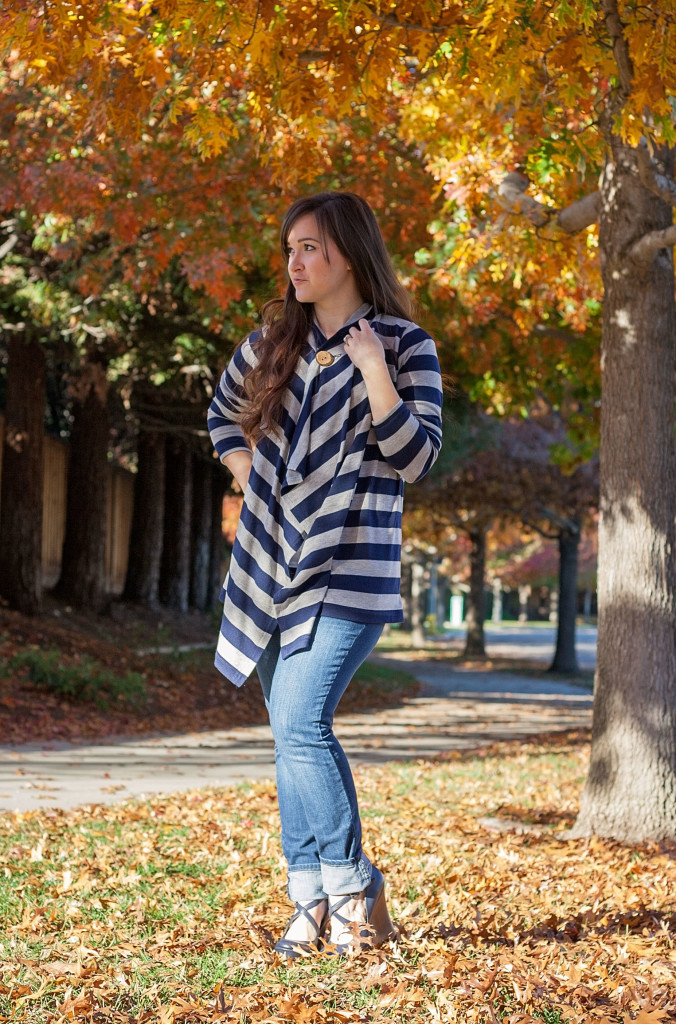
{"points": [[455, 710], [529, 641]]}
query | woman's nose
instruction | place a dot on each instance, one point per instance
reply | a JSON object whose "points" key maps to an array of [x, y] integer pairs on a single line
{"points": [[295, 260]]}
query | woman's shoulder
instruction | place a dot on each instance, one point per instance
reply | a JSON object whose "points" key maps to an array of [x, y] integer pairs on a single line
{"points": [[399, 330], [246, 350]]}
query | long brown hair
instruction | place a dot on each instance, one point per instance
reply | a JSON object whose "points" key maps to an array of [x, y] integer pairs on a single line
{"points": [[349, 222]]}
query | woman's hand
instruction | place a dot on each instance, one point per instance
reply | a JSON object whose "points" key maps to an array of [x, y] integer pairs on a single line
{"points": [[366, 351], [365, 348]]}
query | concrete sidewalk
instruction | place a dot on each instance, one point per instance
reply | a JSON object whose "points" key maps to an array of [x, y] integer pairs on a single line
{"points": [[455, 710]]}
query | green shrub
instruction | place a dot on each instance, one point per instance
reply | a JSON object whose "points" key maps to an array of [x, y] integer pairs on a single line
{"points": [[82, 678]]}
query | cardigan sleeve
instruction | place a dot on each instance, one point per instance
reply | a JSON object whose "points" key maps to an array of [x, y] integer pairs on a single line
{"points": [[409, 436], [229, 403]]}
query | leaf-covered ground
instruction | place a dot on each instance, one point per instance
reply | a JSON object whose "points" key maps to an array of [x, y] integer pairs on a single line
{"points": [[165, 911], [184, 691]]}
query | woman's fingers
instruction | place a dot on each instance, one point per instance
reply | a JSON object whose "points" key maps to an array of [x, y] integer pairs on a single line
{"points": [[363, 346]]}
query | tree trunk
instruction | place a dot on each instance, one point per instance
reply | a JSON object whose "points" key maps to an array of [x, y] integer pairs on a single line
{"points": [[524, 594], [565, 655], [22, 476], [145, 544], [83, 566], [496, 614], [175, 569], [433, 594], [474, 615], [201, 533], [630, 791], [406, 591], [417, 591], [218, 487], [553, 613], [441, 600]]}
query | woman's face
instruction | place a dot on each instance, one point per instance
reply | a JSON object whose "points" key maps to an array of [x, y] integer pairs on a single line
{"points": [[316, 278]]}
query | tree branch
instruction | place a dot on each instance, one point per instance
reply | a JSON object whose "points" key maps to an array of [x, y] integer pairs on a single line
{"points": [[643, 250], [411, 26], [548, 330], [8, 245], [620, 48], [538, 529], [513, 198], [659, 184], [392, 21], [318, 55], [563, 521], [579, 215]]}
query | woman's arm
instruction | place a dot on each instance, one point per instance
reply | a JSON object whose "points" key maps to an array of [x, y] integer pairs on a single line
{"points": [[406, 418], [365, 349], [239, 464], [224, 414]]}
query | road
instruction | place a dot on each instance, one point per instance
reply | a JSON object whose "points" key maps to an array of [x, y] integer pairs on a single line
{"points": [[532, 642]]}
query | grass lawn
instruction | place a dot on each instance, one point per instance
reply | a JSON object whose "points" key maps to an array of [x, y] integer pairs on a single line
{"points": [[164, 910]]}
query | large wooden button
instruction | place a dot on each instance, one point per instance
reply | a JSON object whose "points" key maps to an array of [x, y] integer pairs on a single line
{"points": [[324, 358]]}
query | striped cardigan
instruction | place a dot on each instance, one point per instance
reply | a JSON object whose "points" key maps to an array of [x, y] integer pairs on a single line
{"points": [[320, 528]]}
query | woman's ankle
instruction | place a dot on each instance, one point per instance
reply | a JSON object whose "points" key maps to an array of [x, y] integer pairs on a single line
{"points": [[301, 929], [353, 912]]}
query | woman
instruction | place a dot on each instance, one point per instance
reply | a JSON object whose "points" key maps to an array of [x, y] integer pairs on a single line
{"points": [[321, 416]]}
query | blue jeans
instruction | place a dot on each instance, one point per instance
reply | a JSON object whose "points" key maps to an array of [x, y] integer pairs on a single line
{"points": [[321, 830]]}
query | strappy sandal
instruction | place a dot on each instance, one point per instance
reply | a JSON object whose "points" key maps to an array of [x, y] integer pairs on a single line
{"points": [[292, 949], [377, 928]]}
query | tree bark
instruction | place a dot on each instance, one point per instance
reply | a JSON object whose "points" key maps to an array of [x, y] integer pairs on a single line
{"points": [[553, 614], [630, 791], [145, 543], [565, 655], [474, 616], [496, 614], [201, 533], [218, 488], [83, 566], [22, 476], [417, 591], [524, 594], [175, 568], [442, 605], [406, 591]]}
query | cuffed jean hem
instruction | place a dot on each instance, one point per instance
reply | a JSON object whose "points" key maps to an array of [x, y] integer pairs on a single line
{"points": [[341, 879], [305, 884]]}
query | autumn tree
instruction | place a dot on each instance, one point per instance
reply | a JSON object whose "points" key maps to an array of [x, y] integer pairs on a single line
{"points": [[140, 268], [518, 470], [588, 121], [559, 498]]}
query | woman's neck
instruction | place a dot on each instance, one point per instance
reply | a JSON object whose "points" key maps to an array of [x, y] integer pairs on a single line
{"points": [[331, 318]]}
